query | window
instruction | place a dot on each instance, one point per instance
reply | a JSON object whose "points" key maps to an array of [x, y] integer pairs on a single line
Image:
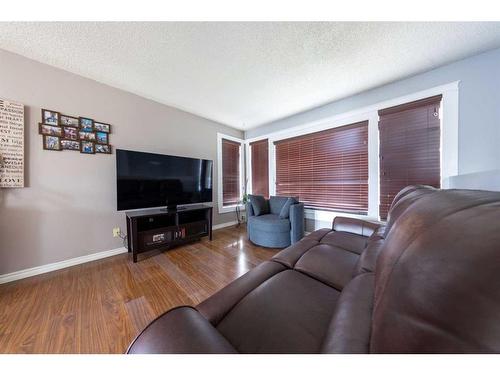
{"points": [[230, 172], [259, 152], [327, 169], [409, 148]]}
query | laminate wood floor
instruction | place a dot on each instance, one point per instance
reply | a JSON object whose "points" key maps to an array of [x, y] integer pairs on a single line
{"points": [[99, 307]]}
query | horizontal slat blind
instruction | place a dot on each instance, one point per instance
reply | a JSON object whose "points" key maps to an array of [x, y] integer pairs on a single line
{"points": [[260, 167], [230, 172], [327, 169], [409, 148]]}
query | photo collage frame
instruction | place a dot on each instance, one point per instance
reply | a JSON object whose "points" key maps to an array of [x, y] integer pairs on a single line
{"points": [[62, 132]]}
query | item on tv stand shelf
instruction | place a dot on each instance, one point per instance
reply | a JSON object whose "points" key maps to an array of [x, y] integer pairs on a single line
{"points": [[161, 229]]}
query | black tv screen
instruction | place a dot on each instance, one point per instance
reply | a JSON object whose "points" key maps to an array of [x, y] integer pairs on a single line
{"points": [[147, 180]]}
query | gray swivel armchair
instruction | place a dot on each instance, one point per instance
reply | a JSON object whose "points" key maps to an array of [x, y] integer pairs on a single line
{"points": [[276, 222]]}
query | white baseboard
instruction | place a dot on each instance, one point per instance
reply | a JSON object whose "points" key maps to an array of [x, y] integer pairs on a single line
{"points": [[22, 274], [224, 225]]}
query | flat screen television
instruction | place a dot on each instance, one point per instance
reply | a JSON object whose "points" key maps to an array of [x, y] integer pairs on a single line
{"points": [[145, 180]]}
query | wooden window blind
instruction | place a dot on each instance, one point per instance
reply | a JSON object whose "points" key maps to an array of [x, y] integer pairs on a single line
{"points": [[230, 172], [409, 148], [327, 169], [260, 167]]}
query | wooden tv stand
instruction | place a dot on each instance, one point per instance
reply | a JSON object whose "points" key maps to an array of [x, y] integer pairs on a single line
{"points": [[162, 229]]}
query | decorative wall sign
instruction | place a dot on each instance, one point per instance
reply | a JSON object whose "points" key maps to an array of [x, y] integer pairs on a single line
{"points": [[62, 132], [11, 144]]}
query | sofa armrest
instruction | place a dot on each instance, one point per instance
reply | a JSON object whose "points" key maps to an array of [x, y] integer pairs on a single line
{"points": [[217, 306], [356, 226], [296, 222], [181, 330]]}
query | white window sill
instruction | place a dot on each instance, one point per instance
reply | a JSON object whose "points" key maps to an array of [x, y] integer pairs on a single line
{"points": [[328, 216], [227, 209]]}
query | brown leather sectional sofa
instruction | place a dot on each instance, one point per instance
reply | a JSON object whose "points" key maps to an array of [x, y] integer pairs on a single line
{"points": [[426, 282]]}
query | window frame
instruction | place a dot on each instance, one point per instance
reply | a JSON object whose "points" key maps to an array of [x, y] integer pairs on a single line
{"points": [[449, 144], [231, 208]]}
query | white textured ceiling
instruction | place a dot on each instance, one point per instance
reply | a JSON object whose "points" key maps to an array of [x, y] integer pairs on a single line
{"points": [[247, 74]]}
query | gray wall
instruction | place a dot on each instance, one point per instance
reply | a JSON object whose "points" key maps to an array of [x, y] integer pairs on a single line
{"points": [[68, 207], [479, 111]]}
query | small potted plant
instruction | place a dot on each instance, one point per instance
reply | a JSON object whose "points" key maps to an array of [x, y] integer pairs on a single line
{"points": [[242, 202]]}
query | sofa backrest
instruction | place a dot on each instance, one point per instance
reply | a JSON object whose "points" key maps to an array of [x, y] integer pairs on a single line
{"points": [[437, 279], [429, 283], [403, 200]]}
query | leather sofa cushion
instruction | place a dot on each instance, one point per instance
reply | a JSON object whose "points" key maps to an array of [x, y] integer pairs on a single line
{"points": [[349, 330], [260, 205], [289, 256], [368, 259], [351, 242], [288, 313], [269, 223], [330, 264], [181, 330], [217, 306]]}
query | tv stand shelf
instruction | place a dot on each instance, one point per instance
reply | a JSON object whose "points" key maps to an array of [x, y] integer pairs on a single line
{"points": [[162, 229]]}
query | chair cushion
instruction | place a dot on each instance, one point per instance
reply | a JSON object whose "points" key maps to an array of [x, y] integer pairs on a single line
{"points": [[288, 313], [269, 223], [285, 210], [276, 203], [260, 204]]}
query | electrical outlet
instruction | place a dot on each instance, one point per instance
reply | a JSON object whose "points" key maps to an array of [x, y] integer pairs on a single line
{"points": [[116, 232]]}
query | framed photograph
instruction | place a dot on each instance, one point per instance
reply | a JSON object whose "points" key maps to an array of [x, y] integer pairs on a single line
{"points": [[70, 121], [87, 147], [86, 136], [102, 127], [102, 138], [86, 124], [102, 149], [70, 133], [44, 129], [67, 144], [51, 143], [50, 117]]}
